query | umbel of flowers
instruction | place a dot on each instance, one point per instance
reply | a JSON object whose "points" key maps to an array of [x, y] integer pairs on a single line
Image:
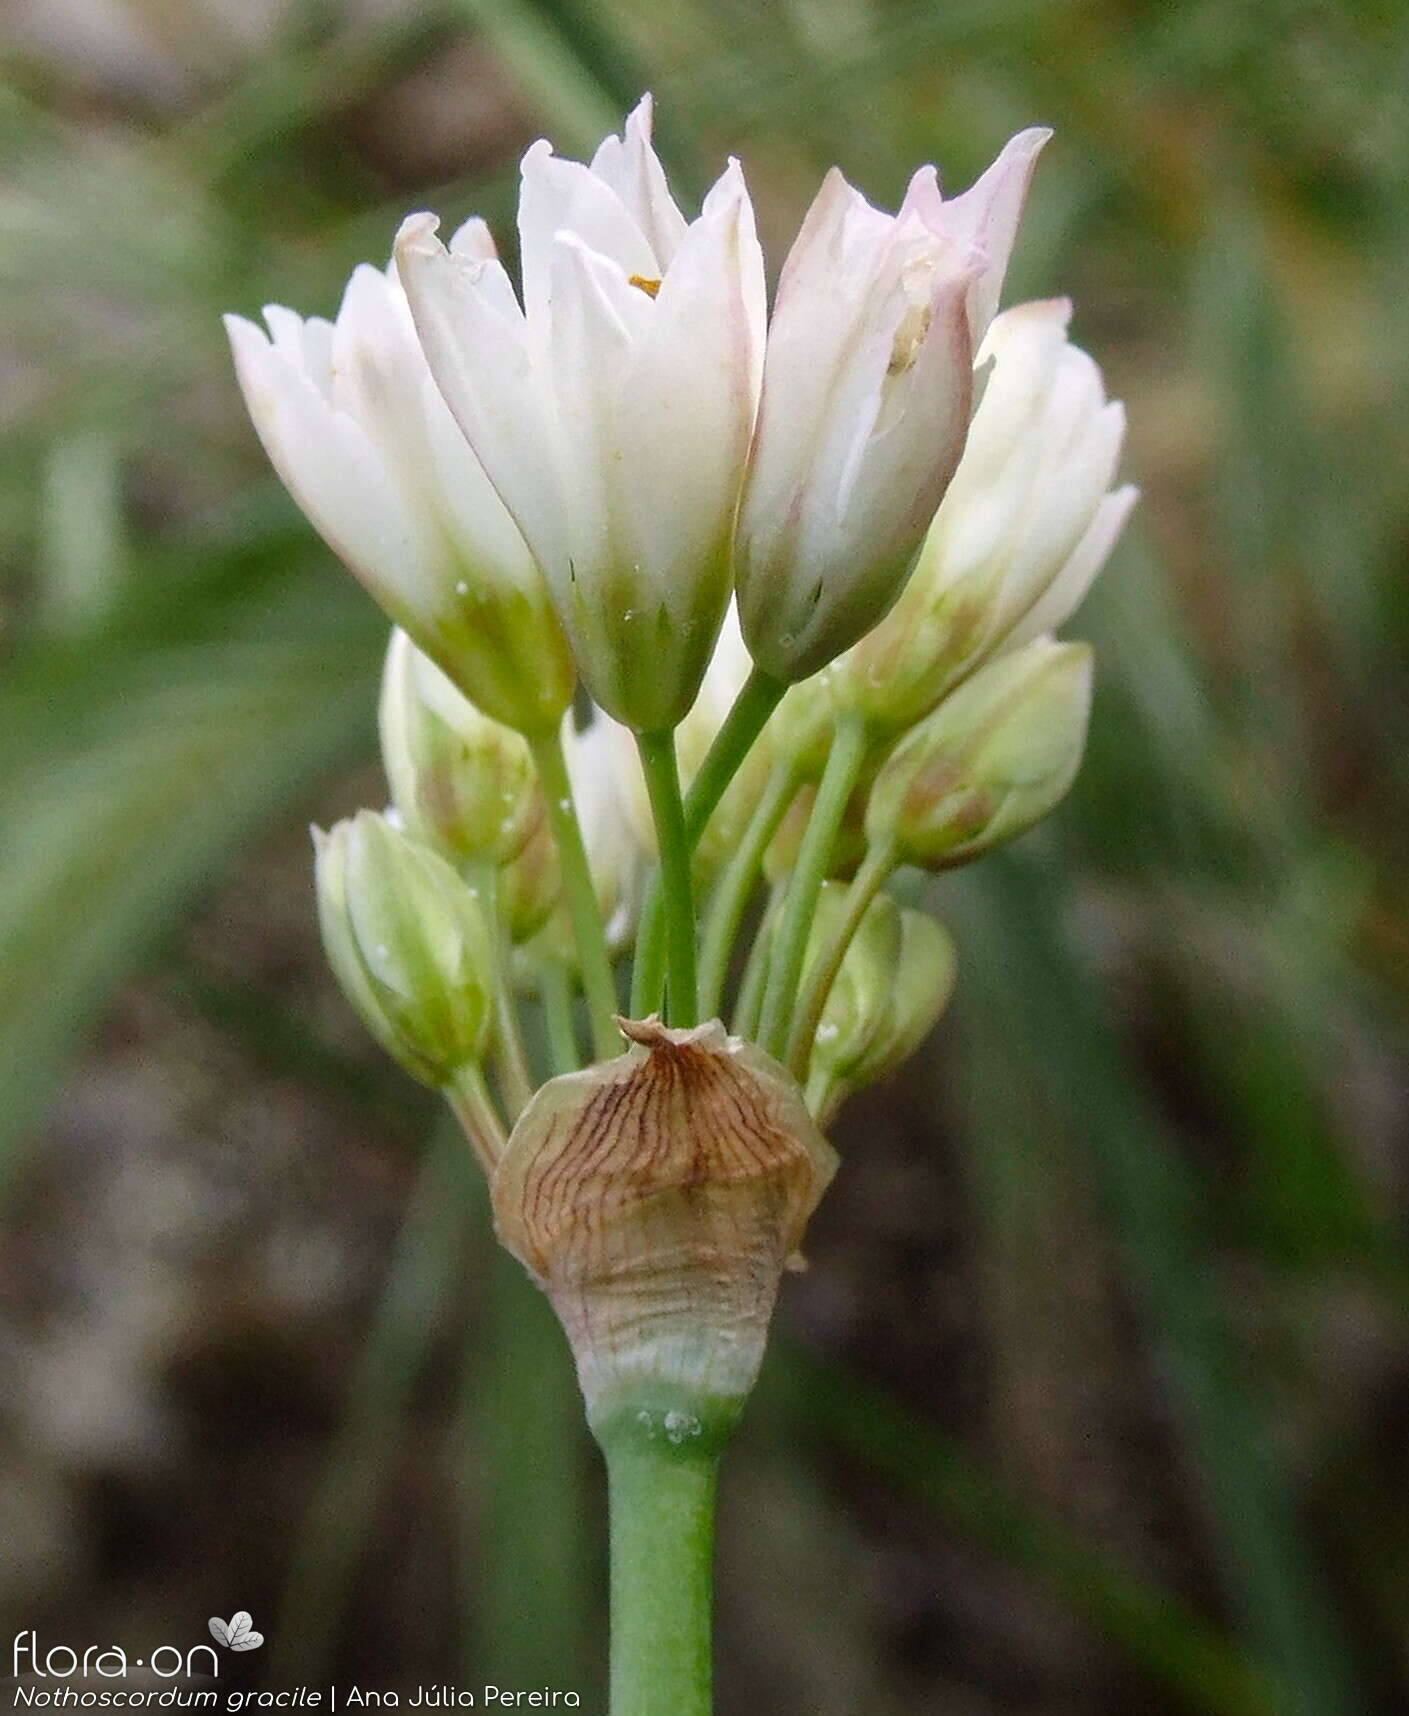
{"points": [[708, 619]]}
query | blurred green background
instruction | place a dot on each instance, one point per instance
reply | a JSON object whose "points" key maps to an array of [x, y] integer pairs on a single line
{"points": [[1096, 1396]]}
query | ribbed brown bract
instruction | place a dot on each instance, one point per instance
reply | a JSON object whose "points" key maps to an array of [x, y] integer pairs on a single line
{"points": [[657, 1199]]}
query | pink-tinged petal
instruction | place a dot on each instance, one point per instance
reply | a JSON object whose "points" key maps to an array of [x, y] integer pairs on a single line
{"points": [[862, 422], [985, 217], [564, 196], [632, 168], [814, 319], [478, 353], [1065, 594]]}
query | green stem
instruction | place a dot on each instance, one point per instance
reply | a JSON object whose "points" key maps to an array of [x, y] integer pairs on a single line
{"points": [[510, 1057], [473, 1106], [597, 982], [732, 743], [749, 1005], [662, 1554], [819, 840], [555, 990], [822, 972], [760, 696], [677, 887], [731, 893]]}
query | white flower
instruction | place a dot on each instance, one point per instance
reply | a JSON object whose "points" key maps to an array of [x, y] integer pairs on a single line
{"points": [[355, 427], [1025, 527], [612, 410], [867, 394]]}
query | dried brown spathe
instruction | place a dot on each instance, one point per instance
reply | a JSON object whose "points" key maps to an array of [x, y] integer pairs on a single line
{"points": [[657, 1199]]}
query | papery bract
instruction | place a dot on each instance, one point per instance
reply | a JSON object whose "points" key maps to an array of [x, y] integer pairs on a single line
{"points": [[657, 1199]]}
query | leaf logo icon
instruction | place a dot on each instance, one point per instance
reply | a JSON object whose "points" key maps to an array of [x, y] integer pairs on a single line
{"points": [[237, 1633]]}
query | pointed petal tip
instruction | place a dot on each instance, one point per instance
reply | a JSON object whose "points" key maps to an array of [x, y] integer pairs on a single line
{"points": [[240, 328], [417, 235]]}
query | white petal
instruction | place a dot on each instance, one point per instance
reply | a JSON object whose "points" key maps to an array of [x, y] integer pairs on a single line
{"points": [[1065, 594], [596, 320], [631, 167], [477, 351], [985, 217], [564, 196], [1060, 512], [689, 402], [473, 238], [330, 468]]}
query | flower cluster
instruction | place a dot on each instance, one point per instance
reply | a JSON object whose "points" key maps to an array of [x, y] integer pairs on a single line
{"points": [[693, 602]]}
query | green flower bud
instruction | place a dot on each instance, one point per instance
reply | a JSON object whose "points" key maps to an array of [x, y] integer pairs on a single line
{"points": [[460, 782], [529, 887], [993, 759], [918, 987], [858, 1004], [408, 943]]}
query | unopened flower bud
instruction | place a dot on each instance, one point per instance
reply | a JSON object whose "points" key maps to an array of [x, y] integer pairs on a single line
{"points": [[1025, 527], [529, 887], [918, 990], [407, 942], [657, 1199], [857, 1008], [461, 782], [993, 759]]}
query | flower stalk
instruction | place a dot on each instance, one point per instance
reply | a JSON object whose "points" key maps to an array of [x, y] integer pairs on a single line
{"points": [[661, 1501], [581, 899], [844, 765], [757, 700], [677, 889]]}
